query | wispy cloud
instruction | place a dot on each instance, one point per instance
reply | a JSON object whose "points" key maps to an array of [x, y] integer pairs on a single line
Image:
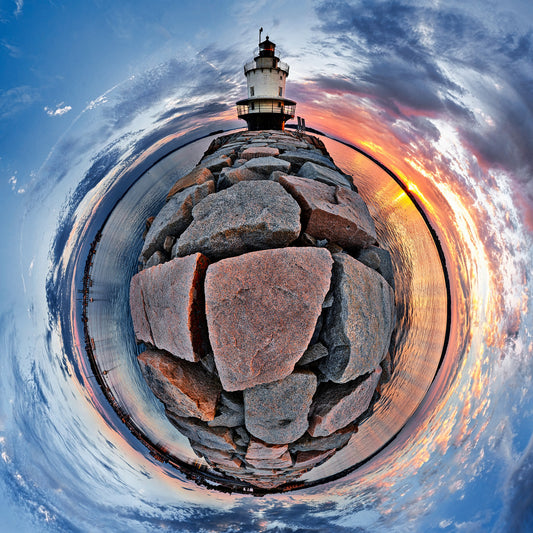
{"points": [[14, 100], [13, 51], [59, 110], [19, 4]]}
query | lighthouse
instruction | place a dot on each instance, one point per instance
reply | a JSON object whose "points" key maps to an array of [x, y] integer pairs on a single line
{"points": [[266, 107]]}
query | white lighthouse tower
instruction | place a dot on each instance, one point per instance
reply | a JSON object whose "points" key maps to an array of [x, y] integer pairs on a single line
{"points": [[266, 107]]}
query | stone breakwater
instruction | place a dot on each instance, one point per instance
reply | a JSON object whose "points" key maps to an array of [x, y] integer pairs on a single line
{"points": [[266, 306]]}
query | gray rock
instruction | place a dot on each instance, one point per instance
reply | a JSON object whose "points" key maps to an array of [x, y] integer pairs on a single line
{"points": [[216, 457], [297, 158], [387, 368], [155, 259], [288, 145], [218, 438], [276, 412], [338, 405], [378, 259], [267, 165], [313, 353], [323, 174], [169, 243], [230, 413], [311, 459], [175, 216], [248, 216], [359, 324], [259, 151], [242, 437], [335, 441], [274, 176], [230, 176], [216, 164]]}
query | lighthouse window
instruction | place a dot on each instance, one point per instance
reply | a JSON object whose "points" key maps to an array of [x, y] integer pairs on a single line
{"points": [[251, 91], [281, 91], [253, 105]]}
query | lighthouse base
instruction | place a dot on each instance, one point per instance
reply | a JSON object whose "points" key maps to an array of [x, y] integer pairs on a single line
{"points": [[266, 121]]}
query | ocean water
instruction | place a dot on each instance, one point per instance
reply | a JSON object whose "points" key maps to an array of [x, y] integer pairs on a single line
{"points": [[456, 407], [421, 294]]}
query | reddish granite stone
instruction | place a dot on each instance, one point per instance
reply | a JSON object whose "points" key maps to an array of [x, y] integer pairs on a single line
{"points": [[276, 413], [166, 304], [183, 387], [334, 213], [261, 310], [197, 176], [259, 151], [339, 405], [359, 324]]}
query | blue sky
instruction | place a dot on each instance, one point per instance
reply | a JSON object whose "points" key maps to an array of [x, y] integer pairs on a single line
{"points": [[441, 93]]}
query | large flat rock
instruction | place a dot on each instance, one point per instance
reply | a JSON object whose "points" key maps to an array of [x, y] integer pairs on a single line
{"points": [[267, 165], [248, 216], [339, 405], [332, 212], [184, 388], [297, 158], [166, 303], [276, 413], [259, 151], [175, 216], [325, 175], [359, 324], [261, 311]]}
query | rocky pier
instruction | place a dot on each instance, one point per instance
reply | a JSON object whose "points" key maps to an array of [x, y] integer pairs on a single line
{"points": [[266, 306]]}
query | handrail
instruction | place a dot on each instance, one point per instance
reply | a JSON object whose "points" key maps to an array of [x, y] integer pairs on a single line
{"points": [[265, 107], [252, 65]]}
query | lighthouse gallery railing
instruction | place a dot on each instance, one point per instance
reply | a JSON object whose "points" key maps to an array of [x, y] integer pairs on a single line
{"points": [[252, 64], [265, 107]]}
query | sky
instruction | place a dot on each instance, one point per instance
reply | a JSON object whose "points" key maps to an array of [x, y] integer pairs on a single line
{"points": [[440, 92]]}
